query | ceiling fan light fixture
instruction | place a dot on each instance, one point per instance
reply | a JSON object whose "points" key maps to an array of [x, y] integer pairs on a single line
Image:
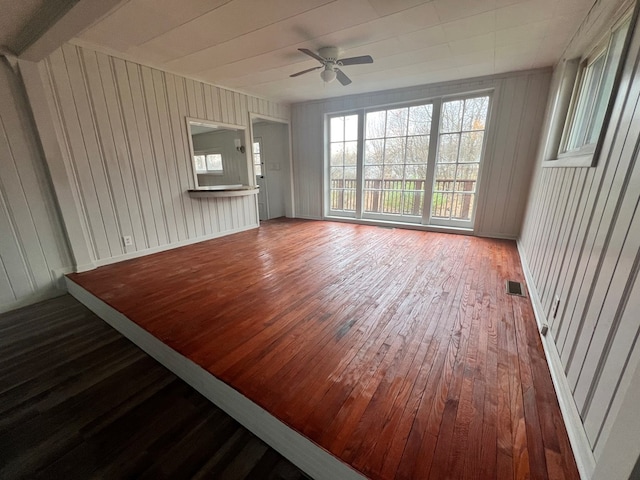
{"points": [[328, 74]]}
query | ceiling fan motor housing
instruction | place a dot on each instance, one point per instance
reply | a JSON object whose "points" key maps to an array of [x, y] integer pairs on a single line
{"points": [[331, 54]]}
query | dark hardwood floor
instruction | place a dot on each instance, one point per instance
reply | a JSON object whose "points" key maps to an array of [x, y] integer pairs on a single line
{"points": [[78, 400], [397, 351]]}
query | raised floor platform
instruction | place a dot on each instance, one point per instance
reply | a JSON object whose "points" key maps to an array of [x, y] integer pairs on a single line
{"points": [[353, 350]]}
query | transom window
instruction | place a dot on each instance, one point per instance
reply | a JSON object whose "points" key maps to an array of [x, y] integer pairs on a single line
{"points": [[383, 164]]}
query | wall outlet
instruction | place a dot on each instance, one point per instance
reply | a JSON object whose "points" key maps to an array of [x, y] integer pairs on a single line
{"points": [[127, 240], [554, 309]]}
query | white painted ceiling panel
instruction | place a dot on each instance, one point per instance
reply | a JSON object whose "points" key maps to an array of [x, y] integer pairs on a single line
{"points": [[251, 45]]}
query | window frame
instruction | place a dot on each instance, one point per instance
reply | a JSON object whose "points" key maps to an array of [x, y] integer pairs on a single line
{"points": [[257, 140], [569, 95], [207, 171], [426, 220], [453, 222]]}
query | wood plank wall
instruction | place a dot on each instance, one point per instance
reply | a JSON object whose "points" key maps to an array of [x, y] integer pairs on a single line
{"points": [[518, 110], [125, 148], [581, 241], [33, 251]]}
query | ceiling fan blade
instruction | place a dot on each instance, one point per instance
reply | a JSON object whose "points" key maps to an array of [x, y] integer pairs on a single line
{"points": [[312, 54], [306, 71], [342, 78], [356, 60]]}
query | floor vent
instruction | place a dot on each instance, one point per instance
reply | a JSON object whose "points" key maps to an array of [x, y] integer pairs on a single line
{"points": [[515, 288]]}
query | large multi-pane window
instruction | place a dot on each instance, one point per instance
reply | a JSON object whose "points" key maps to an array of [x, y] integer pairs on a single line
{"points": [[343, 148], [460, 142], [396, 148], [417, 163]]}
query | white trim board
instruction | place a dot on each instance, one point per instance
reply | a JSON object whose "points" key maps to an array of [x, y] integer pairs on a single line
{"points": [[161, 248], [582, 452], [309, 457], [40, 296]]}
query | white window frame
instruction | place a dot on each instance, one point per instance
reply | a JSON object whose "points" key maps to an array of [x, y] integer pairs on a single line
{"points": [[257, 140], [207, 171], [426, 220], [453, 222], [569, 95]]}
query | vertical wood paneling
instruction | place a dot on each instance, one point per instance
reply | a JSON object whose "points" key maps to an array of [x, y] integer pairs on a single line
{"points": [[142, 199], [124, 132], [518, 105], [122, 171], [33, 251], [581, 242]]}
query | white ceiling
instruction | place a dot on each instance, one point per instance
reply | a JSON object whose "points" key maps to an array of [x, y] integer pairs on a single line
{"points": [[251, 45], [14, 16]]}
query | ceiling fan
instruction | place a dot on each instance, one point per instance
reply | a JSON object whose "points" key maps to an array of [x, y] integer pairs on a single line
{"points": [[328, 57]]}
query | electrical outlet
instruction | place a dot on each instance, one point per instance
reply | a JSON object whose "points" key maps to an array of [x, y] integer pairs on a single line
{"points": [[556, 304], [127, 240]]}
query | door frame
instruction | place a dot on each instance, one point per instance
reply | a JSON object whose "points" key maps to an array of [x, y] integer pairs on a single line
{"points": [[289, 209]]}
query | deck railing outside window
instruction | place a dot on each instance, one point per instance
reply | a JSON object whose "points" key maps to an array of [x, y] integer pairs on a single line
{"points": [[391, 196]]}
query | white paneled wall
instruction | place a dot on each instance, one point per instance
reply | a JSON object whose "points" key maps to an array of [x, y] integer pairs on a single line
{"points": [[517, 112], [33, 250], [123, 138], [581, 243]]}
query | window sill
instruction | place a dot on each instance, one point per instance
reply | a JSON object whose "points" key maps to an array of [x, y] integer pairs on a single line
{"points": [[407, 225], [223, 191], [570, 161]]}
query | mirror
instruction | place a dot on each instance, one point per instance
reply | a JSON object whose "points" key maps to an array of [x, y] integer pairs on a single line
{"points": [[218, 154]]}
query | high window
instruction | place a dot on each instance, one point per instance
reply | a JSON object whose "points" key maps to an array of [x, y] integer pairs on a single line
{"points": [[583, 103], [592, 92], [384, 164]]}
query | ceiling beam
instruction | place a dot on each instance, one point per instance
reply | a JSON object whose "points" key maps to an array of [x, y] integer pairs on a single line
{"points": [[56, 23]]}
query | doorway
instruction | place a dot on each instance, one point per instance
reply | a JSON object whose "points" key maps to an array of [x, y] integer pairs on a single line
{"points": [[270, 153]]}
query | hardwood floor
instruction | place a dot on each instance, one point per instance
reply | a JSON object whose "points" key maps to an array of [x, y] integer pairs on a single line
{"points": [[78, 400], [397, 351]]}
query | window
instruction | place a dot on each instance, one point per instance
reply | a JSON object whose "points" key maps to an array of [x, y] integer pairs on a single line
{"points": [[208, 163], [343, 146], [395, 160], [460, 145], [417, 164], [585, 115], [257, 157]]}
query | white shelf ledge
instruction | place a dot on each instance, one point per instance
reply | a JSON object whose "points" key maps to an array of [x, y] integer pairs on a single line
{"points": [[223, 191]]}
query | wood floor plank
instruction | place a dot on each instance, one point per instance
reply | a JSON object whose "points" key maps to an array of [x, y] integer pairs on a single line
{"points": [[397, 351], [104, 409]]}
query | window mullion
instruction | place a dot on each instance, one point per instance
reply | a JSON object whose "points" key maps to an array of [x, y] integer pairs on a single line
{"points": [[431, 160]]}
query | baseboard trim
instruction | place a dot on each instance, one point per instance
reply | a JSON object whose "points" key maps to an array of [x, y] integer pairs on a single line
{"points": [[31, 299], [161, 248], [312, 459], [575, 430]]}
